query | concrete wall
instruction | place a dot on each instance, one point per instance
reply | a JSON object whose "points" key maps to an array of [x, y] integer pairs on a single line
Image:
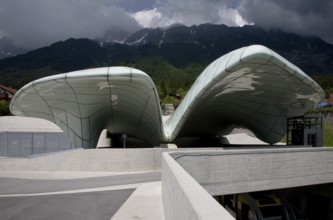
{"points": [[189, 178], [183, 198], [102, 159], [236, 171], [22, 144], [24, 136], [108, 160]]}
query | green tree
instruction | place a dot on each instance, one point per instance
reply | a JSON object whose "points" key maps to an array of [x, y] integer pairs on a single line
{"points": [[4, 108], [169, 100]]}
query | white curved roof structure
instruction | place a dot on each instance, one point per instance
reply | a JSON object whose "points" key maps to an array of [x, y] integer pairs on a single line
{"points": [[252, 87]]}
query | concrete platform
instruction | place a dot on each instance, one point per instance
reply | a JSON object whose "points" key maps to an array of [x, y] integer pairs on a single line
{"points": [[144, 203], [58, 175], [69, 195]]}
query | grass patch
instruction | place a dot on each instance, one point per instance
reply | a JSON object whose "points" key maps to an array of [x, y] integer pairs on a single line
{"points": [[328, 134], [324, 110]]}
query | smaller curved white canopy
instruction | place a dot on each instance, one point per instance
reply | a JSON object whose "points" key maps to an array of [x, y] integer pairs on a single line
{"points": [[252, 87], [83, 103]]}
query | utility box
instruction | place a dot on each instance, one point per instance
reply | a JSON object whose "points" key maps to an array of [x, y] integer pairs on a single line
{"points": [[305, 130]]}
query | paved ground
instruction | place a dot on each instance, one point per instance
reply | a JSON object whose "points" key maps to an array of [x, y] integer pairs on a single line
{"points": [[77, 198], [88, 205], [145, 203]]}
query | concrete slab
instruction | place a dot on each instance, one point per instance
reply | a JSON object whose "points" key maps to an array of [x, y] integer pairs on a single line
{"points": [[75, 191], [144, 203], [242, 138], [10, 186], [97, 205], [49, 175]]}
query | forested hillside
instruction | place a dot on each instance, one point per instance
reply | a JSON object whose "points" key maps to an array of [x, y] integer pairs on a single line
{"points": [[173, 57]]}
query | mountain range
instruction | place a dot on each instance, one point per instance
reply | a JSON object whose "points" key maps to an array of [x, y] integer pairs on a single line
{"points": [[8, 49], [176, 54]]}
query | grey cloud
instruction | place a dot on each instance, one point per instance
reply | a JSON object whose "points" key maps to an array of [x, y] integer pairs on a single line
{"points": [[305, 7], [131, 5], [307, 17], [191, 12], [36, 23]]}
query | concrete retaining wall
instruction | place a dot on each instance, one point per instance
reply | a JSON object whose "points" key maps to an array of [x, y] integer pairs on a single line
{"points": [[190, 178], [103, 160], [237, 171], [108, 160], [183, 198]]}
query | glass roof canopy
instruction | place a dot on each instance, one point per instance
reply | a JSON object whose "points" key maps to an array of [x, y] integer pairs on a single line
{"points": [[252, 87]]}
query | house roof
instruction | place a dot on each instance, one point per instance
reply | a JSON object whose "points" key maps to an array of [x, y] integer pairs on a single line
{"points": [[11, 90]]}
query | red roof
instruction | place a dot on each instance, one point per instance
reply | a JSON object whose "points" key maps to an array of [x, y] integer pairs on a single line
{"points": [[12, 91]]}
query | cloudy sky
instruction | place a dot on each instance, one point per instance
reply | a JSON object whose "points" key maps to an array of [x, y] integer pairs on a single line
{"points": [[36, 23]]}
